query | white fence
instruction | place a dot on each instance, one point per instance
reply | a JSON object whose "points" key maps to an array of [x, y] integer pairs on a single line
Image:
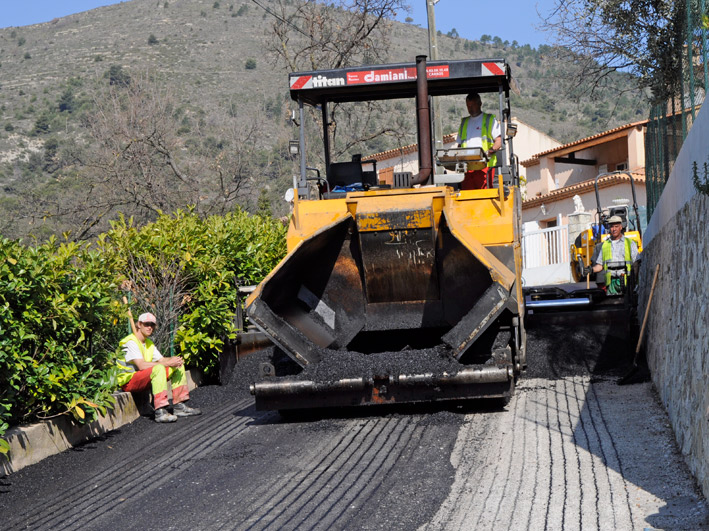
{"points": [[545, 256]]}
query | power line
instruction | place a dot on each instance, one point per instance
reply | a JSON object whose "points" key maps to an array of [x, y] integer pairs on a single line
{"points": [[325, 45], [276, 15]]}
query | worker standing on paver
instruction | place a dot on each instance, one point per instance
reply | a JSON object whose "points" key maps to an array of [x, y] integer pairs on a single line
{"points": [[617, 248], [479, 129], [143, 367]]}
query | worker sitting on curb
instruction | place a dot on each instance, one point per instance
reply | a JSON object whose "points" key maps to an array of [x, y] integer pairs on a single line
{"points": [[617, 248], [143, 366]]}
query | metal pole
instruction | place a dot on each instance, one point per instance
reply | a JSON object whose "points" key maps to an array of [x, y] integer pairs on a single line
{"points": [[423, 123], [690, 59], [326, 136], [302, 182], [433, 54], [172, 324], [704, 51]]}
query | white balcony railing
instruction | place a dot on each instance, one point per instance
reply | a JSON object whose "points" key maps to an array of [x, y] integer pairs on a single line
{"points": [[545, 256]]}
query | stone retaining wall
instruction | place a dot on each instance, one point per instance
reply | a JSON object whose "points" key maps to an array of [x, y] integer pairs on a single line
{"points": [[677, 337]]}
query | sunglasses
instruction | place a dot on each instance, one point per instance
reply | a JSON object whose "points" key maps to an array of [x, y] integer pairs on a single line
{"points": [[151, 325]]}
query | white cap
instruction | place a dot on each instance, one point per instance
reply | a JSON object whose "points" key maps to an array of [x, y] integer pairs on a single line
{"points": [[147, 317]]}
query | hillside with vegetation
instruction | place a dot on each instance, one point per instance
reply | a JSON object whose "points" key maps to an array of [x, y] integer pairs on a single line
{"points": [[146, 107]]}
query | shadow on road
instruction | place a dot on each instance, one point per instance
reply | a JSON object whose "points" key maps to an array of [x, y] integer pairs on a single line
{"points": [[623, 426]]}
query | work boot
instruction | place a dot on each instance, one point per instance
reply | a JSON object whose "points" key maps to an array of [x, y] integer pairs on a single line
{"points": [[183, 410], [163, 415]]}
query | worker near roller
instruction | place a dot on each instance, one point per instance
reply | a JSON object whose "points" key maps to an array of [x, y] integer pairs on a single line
{"points": [[143, 367], [617, 248], [479, 129]]}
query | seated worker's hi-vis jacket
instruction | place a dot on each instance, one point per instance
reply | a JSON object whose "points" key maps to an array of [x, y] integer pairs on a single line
{"points": [[126, 368], [485, 135]]}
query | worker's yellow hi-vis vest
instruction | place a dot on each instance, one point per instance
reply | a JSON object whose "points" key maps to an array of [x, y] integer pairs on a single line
{"points": [[125, 368], [485, 135], [607, 254]]}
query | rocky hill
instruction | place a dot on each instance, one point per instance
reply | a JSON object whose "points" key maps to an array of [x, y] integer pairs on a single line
{"points": [[212, 57]]}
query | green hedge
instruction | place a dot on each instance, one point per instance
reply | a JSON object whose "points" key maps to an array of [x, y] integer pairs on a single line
{"points": [[61, 314], [56, 322]]}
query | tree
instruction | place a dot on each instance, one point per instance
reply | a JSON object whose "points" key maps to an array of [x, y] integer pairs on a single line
{"points": [[66, 102], [313, 35], [42, 125], [310, 35], [152, 40], [117, 76], [643, 37], [264, 204], [250, 64], [131, 159]]}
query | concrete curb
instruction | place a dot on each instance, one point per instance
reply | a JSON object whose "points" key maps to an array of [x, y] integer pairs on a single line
{"points": [[30, 444]]}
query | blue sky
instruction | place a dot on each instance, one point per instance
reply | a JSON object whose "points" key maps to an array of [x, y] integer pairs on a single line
{"points": [[25, 12], [517, 20]]}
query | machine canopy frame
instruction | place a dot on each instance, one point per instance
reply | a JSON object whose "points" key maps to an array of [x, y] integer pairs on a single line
{"points": [[398, 80], [318, 88]]}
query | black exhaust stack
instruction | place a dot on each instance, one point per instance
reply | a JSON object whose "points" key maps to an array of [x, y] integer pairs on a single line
{"points": [[423, 122]]}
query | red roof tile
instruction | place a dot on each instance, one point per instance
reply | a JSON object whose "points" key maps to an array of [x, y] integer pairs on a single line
{"points": [[535, 159], [584, 186]]}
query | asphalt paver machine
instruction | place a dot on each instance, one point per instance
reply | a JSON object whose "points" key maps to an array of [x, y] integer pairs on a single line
{"points": [[396, 292]]}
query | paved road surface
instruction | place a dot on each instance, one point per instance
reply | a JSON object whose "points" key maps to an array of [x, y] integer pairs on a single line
{"points": [[568, 452]]}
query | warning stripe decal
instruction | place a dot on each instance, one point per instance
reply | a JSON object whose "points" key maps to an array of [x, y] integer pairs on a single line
{"points": [[493, 69], [300, 82]]}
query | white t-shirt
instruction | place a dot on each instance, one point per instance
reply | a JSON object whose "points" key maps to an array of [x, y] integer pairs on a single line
{"points": [[475, 125], [133, 352]]}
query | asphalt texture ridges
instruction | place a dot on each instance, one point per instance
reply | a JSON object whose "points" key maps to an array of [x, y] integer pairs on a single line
{"points": [[572, 450]]}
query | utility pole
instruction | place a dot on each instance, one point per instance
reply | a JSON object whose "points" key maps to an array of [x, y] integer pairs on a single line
{"points": [[433, 53]]}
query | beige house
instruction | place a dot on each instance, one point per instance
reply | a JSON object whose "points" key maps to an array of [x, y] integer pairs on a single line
{"points": [[556, 175], [526, 143]]}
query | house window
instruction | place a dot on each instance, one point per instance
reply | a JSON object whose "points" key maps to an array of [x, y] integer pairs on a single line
{"points": [[623, 166]]}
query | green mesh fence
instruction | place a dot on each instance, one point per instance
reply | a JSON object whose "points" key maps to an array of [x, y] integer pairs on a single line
{"points": [[671, 121]]}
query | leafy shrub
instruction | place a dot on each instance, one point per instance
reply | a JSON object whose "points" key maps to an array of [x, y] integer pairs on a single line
{"points": [[57, 323], [250, 64], [187, 270], [117, 76], [61, 317], [152, 40]]}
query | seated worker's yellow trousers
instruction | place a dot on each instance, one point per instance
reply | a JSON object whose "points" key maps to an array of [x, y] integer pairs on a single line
{"points": [[156, 378]]}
